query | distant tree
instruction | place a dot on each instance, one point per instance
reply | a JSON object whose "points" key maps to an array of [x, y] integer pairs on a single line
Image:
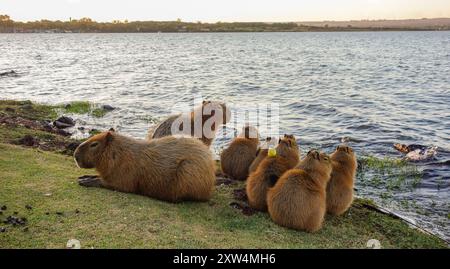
{"points": [[5, 18]]}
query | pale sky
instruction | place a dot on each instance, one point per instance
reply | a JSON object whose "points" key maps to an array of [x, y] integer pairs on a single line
{"points": [[225, 10]]}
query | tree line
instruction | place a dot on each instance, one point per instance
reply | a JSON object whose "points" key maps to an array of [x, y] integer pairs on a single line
{"points": [[87, 25]]}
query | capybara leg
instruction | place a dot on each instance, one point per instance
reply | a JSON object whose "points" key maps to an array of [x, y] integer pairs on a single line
{"points": [[90, 181]]}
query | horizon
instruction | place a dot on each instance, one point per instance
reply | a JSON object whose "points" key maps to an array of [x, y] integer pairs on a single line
{"points": [[229, 11]]}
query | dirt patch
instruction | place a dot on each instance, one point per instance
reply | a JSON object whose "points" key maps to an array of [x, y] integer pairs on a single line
{"points": [[243, 207], [240, 195], [223, 181], [48, 144]]}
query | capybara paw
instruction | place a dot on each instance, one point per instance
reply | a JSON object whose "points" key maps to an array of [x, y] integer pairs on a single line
{"points": [[89, 181]]}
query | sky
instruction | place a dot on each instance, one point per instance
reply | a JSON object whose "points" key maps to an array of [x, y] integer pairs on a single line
{"points": [[224, 10]]}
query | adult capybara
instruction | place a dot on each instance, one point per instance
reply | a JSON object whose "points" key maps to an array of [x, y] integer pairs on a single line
{"points": [[269, 170], [171, 169], [298, 199], [236, 159], [202, 122], [340, 187]]}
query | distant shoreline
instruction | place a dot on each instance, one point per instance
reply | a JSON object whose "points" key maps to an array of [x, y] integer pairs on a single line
{"points": [[215, 32], [87, 25]]}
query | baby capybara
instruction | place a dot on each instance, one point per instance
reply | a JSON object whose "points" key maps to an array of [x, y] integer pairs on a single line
{"points": [[236, 159]]}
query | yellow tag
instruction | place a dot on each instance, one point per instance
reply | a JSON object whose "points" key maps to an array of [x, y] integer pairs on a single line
{"points": [[272, 153]]}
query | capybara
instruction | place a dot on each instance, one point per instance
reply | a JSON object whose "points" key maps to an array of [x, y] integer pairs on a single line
{"points": [[269, 170], [261, 154], [170, 169], [298, 199], [340, 187], [202, 122], [236, 159]]}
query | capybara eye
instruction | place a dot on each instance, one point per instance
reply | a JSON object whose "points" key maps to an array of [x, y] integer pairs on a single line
{"points": [[93, 145]]}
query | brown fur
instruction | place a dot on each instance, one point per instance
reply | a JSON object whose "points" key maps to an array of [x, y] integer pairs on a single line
{"points": [[298, 199], [261, 154], [236, 159], [164, 128], [169, 168], [340, 187], [269, 170]]}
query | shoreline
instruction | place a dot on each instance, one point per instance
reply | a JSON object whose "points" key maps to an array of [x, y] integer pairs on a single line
{"points": [[379, 224], [356, 30]]}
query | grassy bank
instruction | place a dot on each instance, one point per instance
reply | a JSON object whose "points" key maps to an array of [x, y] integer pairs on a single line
{"points": [[41, 186]]}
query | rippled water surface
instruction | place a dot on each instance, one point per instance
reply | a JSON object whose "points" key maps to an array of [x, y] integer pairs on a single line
{"points": [[376, 89]]}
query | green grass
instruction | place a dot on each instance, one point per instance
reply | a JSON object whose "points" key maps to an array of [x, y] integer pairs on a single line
{"points": [[390, 173], [107, 219], [83, 107], [27, 109]]}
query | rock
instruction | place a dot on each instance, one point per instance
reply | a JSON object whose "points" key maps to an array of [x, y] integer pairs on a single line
{"points": [[11, 73], [73, 146], [28, 141], [2, 229], [59, 213], [29, 207], [64, 122], [15, 221], [10, 109], [108, 108], [3, 207], [62, 132]]}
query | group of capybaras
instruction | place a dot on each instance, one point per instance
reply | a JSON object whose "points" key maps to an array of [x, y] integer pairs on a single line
{"points": [[296, 192]]}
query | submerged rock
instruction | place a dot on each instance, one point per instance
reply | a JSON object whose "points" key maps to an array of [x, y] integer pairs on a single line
{"points": [[108, 108], [11, 73]]}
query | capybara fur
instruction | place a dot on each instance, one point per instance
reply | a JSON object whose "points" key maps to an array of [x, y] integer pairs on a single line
{"points": [[298, 199], [340, 187], [202, 122], [170, 169], [268, 172], [236, 159], [261, 154]]}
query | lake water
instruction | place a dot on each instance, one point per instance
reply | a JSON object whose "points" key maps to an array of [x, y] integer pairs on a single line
{"points": [[375, 88]]}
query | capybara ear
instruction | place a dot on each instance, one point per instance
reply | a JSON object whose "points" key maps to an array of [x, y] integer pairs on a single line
{"points": [[109, 137], [112, 129]]}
